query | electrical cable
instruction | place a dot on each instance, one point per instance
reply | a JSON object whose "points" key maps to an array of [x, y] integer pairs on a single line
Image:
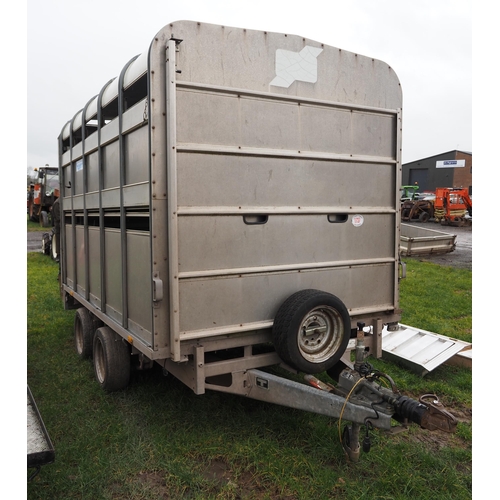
{"points": [[373, 375], [344, 405]]}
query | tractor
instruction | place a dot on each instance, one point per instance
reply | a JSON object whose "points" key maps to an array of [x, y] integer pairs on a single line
{"points": [[43, 194], [408, 192], [414, 207]]}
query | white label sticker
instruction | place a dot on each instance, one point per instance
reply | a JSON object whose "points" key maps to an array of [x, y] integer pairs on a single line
{"points": [[357, 220], [79, 165], [301, 66]]}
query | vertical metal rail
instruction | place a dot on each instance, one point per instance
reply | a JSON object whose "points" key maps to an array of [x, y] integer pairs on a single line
{"points": [[173, 244], [398, 177], [100, 162], [62, 235], [157, 123], [147, 112], [85, 211], [123, 180], [72, 194]]}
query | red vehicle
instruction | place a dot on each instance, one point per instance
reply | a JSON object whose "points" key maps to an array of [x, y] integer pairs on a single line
{"points": [[453, 206], [43, 194]]}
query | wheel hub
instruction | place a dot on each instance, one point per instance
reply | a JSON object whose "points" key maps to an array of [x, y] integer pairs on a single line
{"points": [[320, 334]]}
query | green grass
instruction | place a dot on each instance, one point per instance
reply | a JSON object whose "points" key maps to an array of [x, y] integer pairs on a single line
{"points": [[438, 299], [158, 440], [35, 226]]}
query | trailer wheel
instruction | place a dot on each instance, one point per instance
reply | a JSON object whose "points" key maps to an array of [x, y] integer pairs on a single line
{"points": [[84, 333], [311, 331], [111, 360], [53, 247]]}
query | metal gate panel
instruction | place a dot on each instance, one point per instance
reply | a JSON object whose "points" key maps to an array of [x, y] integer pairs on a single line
{"points": [[81, 265], [137, 156], [111, 174], [246, 181], [113, 274], [245, 301], [92, 166], [95, 289], [139, 285], [229, 118], [219, 243], [69, 255]]}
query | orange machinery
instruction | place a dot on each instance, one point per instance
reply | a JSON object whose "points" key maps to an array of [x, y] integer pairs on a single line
{"points": [[452, 205]]}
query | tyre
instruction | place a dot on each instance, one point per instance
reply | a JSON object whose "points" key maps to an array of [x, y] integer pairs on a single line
{"points": [[84, 333], [424, 217], [111, 360], [311, 331], [46, 243], [33, 214]]}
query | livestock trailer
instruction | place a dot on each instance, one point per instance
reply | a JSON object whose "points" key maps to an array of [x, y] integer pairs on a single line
{"points": [[230, 202]]}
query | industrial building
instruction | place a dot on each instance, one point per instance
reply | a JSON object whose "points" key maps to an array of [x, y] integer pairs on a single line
{"points": [[452, 169]]}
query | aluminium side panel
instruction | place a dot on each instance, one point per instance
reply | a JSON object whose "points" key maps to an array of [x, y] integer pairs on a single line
{"points": [[106, 201], [279, 177], [95, 268]]}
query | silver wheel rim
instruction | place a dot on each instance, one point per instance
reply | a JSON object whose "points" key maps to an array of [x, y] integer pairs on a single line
{"points": [[79, 337], [99, 364], [320, 334]]}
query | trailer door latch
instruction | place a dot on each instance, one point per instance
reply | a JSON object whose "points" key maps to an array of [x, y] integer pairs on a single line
{"points": [[157, 289]]}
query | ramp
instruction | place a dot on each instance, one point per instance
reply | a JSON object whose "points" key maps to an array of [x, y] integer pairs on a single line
{"points": [[423, 351]]}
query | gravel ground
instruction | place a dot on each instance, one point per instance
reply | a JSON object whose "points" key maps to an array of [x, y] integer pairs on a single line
{"points": [[35, 240]]}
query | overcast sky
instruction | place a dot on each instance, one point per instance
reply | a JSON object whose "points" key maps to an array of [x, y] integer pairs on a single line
{"points": [[74, 48]]}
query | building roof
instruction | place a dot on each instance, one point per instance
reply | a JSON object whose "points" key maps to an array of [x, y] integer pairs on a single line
{"points": [[440, 154]]}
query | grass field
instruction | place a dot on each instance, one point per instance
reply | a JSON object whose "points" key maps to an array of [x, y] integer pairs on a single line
{"points": [[36, 227], [157, 440]]}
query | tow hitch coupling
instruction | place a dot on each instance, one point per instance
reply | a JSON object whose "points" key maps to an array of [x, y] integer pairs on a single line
{"points": [[436, 417]]}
